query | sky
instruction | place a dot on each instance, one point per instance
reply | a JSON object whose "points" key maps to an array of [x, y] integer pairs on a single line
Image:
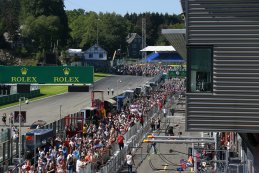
{"points": [[124, 6]]}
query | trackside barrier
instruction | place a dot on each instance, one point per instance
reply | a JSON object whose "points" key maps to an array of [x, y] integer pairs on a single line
{"points": [[15, 97]]}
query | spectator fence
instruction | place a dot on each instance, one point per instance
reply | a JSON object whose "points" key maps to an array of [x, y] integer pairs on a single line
{"points": [[134, 138]]}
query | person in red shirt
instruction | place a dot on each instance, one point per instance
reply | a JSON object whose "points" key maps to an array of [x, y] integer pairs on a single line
{"points": [[141, 121], [120, 140]]}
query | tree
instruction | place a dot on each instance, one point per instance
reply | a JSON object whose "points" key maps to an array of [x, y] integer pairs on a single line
{"points": [[154, 23], [9, 21], [112, 30], [74, 14], [43, 30], [38, 8], [177, 26]]}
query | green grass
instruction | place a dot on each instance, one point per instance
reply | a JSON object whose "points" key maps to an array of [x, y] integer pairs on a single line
{"points": [[52, 90], [47, 91], [98, 76]]}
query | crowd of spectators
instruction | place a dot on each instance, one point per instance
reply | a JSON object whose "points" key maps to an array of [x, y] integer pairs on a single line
{"points": [[146, 69], [96, 141]]}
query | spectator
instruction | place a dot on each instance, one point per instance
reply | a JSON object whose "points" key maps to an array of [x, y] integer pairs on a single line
{"points": [[129, 161], [112, 91], [51, 167], [84, 130], [70, 163], [153, 145], [141, 121], [153, 127], [120, 140], [80, 165], [164, 111], [4, 118], [158, 121], [100, 135], [108, 91]]}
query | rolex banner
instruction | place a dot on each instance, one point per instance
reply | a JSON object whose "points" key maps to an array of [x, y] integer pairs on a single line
{"points": [[46, 74]]}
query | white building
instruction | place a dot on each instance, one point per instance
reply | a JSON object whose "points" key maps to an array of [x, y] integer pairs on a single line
{"points": [[75, 52], [95, 53]]}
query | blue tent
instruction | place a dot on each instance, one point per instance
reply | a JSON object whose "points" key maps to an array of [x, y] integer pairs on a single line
{"points": [[164, 57], [151, 57]]}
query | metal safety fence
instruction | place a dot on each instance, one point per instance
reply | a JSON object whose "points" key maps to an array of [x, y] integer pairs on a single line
{"points": [[134, 138]]}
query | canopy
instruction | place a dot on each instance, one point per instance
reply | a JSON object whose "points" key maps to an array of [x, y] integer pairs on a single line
{"points": [[158, 49], [177, 38], [164, 57], [39, 131], [113, 102], [151, 57], [129, 91]]}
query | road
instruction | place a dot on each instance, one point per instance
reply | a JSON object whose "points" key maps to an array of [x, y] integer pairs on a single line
{"points": [[48, 109]]}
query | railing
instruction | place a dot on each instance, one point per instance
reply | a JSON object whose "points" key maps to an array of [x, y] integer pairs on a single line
{"points": [[134, 138]]}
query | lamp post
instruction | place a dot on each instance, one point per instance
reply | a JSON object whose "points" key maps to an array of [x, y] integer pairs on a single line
{"points": [[60, 106], [20, 132], [97, 32], [11, 141], [118, 81], [60, 114]]}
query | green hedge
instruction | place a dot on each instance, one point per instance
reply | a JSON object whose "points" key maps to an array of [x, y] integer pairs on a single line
{"points": [[15, 97]]}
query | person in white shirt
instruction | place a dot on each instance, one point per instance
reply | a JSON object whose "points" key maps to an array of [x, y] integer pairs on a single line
{"points": [[130, 161], [108, 91], [112, 91], [80, 165]]}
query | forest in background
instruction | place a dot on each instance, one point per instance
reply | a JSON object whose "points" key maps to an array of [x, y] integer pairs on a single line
{"points": [[32, 29]]}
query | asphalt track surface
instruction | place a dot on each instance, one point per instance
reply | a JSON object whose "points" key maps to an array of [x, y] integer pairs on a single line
{"points": [[48, 109]]}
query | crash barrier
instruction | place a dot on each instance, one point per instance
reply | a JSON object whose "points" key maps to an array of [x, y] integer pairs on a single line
{"points": [[15, 97]]}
